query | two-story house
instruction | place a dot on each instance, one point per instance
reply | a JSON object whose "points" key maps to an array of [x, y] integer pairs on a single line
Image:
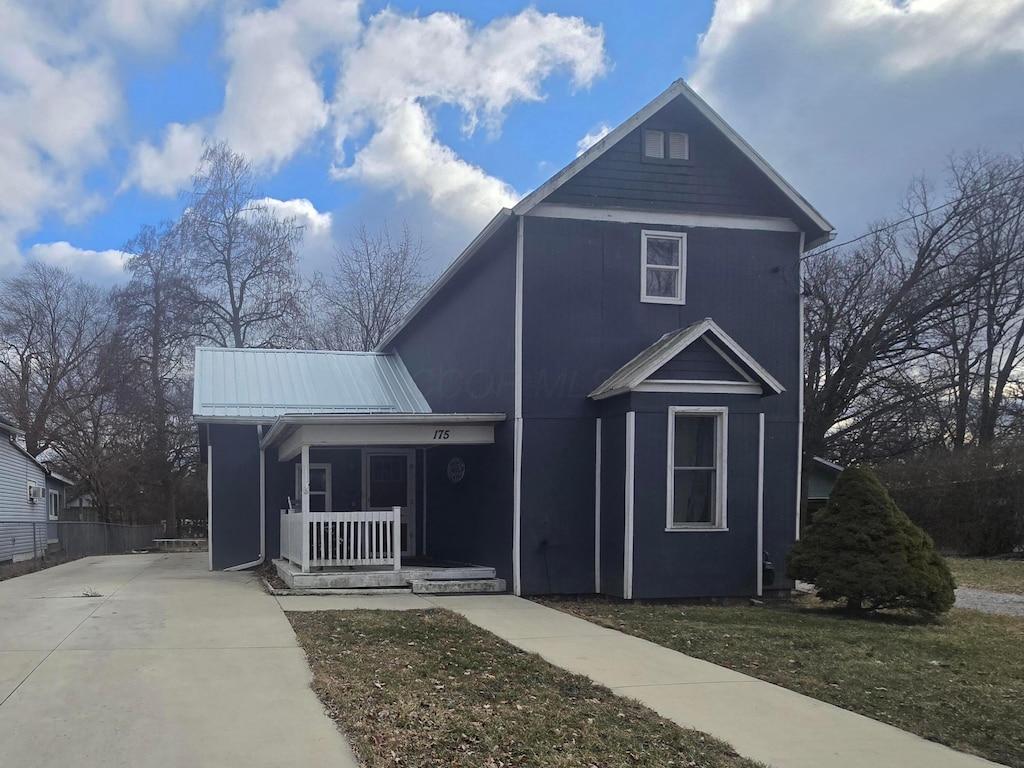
{"points": [[602, 393]]}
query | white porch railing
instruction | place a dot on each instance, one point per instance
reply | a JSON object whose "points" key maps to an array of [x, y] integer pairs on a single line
{"points": [[342, 538]]}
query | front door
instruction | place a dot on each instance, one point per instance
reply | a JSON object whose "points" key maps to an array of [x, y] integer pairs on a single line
{"points": [[389, 483]]}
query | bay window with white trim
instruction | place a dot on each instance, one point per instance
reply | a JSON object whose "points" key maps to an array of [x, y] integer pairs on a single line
{"points": [[697, 468], [663, 267]]}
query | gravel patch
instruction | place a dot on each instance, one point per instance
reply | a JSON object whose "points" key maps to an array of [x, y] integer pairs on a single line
{"points": [[989, 602]]}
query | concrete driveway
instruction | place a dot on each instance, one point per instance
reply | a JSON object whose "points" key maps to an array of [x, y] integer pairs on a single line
{"points": [[153, 661]]}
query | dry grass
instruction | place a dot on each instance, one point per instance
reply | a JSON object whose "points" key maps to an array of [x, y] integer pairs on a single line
{"points": [[958, 680], [427, 688], [996, 574], [13, 570]]}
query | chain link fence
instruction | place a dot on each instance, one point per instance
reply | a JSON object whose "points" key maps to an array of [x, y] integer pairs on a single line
{"points": [[26, 540]]}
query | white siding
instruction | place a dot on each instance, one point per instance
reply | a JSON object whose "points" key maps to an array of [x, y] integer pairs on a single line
{"points": [[16, 511]]}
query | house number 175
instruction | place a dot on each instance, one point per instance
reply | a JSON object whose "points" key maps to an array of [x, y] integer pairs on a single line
{"points": [[441, 434]]}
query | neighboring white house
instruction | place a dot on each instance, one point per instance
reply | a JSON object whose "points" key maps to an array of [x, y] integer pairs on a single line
{"points": [[31, 498]]}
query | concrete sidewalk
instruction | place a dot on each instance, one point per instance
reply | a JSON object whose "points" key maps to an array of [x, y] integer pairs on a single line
{"points": [[151, 661], [762, 721]]}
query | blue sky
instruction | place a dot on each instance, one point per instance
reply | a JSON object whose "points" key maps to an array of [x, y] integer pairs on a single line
{"points": [[438, 113]]}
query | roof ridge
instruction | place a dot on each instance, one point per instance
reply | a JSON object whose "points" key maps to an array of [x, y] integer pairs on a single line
{"points": [[344, 352]]}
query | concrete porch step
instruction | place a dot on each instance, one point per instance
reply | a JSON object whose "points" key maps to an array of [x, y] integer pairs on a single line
{"points": [[373, 578], [456, 586]]}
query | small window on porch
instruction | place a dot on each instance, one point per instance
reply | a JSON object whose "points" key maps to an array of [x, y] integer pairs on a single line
{"points": [[319, 487], [696, 468]]}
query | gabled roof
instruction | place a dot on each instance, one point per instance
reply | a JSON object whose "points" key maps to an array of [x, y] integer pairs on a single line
{"points": [[262, 384], [677, 89], [13, 433], [639, 370]]}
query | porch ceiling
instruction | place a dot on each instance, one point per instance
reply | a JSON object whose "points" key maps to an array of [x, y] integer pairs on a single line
{"points": [[291, 431]]}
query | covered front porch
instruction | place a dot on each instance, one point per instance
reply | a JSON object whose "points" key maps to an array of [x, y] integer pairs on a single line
{"points": [[356, 515]]}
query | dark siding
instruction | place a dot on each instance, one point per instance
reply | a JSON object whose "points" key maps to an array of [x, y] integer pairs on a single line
{"points": [[583, 319], [613, 495], [235, 530], [698, 361], [718, 178], [557, 539], [460, 351], [780, 495], [470, 521]]}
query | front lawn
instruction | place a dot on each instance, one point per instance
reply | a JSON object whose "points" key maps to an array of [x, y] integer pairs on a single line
{"points": [[993, 573], [958, 680], [427, 688]]}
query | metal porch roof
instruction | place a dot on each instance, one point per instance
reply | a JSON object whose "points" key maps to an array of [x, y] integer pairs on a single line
{"points": [[250, 384]]}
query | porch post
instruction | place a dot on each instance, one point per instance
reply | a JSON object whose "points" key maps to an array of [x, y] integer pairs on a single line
{"points": [[305, 509], [396, 537]]}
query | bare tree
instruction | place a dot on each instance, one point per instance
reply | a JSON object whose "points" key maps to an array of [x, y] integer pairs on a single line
{"points": [[917, 328], [51, 325], [157, 313], [982, 343], [242, 255], [376, 280]]}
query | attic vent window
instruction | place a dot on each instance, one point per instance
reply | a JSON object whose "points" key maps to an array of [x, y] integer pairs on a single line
{"points": [[666, 145]]}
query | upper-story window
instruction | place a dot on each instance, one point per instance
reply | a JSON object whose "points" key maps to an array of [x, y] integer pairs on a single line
{"points": [[663, 267], [666, 145]]}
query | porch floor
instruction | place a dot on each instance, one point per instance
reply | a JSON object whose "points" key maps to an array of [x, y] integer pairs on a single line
{"points": [[458, 578]]}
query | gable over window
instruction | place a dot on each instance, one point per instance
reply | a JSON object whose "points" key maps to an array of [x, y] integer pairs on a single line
{"points": [[663, 267], [666, 145]]}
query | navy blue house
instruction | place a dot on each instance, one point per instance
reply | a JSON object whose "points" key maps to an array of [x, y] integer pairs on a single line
{"points": [[601, 394]]}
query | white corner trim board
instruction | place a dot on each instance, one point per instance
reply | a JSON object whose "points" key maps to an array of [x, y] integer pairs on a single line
{"points": [[597, 509], [627, 565], [800, 399], [760, 504], [517, 458], [209, 504]]}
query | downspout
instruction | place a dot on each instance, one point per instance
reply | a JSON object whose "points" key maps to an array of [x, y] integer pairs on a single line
{"points": [[263, 510]]}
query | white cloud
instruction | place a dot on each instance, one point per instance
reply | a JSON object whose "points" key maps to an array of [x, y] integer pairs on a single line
{"points": [[166, 169], [404, 155], [302, 210], [850, 100], [591, 138], [273, 98], [274, 101], [143, 24], [445, 61], [62, 95], [60, 102], [99, 265], [318, 243]]}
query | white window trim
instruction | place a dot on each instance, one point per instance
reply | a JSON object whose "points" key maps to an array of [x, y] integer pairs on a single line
{"points": [[50, 505], [298, 484], [721, 465], [645, 235]]}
